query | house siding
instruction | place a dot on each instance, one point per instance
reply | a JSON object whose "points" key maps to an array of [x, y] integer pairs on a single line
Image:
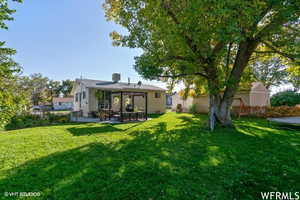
{"points": [[93, 102], [257, 96], [202, 102], [83, 104], [155, 105]]}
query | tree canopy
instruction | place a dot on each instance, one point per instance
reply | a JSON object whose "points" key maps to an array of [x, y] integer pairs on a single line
{"points": [[207, 42], [66, 87], [12, 99], [41, 89], [270, 71], [6, 13]]}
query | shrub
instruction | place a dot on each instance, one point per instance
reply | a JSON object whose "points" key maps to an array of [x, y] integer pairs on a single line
{"points": [[58, 118], [179, 108], [193, 109], [23, 121], [286, 98], [29, 120], [282, 111]]}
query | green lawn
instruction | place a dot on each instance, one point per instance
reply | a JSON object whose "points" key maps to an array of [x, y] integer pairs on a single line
{"points": [[172, 156]]}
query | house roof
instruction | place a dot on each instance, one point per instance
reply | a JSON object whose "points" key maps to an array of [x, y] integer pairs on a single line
{"points": [[258, 86], [110, 85], [63, 100]]}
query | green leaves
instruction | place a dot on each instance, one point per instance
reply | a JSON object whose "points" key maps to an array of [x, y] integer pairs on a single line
{"points": [[285, 98], [12, 99], [271, 72], [6, 12], [189, 40], [294, 76]]}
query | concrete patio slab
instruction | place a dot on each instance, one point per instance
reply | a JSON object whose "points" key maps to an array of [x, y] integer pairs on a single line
{"points": [[96, 120], [286, 120]]}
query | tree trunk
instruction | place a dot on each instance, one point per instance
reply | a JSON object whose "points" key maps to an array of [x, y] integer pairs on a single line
{"points": [[219, 106], [219, 112], [224, 113], [214, 102]]}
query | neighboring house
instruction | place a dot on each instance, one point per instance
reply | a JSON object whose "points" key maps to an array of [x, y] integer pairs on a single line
{"points": [[94, 95], [258, 95], [63, 103]]}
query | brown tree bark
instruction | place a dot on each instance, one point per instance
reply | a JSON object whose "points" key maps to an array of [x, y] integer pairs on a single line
{"points": [[214, 96], [220, 105]]}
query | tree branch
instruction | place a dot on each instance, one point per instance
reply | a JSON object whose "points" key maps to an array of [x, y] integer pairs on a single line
{"points": [[278, 20], [228, 60], [264, 52], [262, 16], [187, 38], [183, 75], [182, 58], [218, 47], [275, 50]]}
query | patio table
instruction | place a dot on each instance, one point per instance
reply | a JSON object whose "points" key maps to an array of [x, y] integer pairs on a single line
{"points": [[132, 115]]}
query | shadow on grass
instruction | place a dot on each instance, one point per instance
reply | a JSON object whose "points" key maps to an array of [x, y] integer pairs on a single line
{"points": [[92, 130], [154, 116], [102, 128], [158, 163], [288, 127]]}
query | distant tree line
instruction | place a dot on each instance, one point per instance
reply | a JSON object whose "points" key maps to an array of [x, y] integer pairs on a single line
{"points": [[41, 90]]}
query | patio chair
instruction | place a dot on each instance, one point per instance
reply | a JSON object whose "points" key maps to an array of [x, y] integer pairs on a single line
{"points": [[103, 115]]}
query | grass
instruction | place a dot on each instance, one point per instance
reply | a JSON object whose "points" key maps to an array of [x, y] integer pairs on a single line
{"points": [[172, 156]]}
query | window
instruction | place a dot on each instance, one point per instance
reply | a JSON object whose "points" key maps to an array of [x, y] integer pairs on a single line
{"points": [[59, 103], [76, 97], [157, 95], [83, 95]]}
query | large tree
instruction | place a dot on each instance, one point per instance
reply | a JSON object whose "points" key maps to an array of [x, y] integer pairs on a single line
{"points": [[54, 88], [66, 87], [38, 87], [12, 99], [207, 41]]}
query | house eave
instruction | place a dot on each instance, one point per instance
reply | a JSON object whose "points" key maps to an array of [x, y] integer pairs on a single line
{"points": [[127, 89]]}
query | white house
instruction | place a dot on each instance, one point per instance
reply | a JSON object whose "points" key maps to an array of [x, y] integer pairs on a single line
{"points": [[94, 95], [63, 103]]}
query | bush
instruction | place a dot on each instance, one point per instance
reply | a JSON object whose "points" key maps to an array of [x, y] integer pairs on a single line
{"points": [[58, 118], [193, 109], [282, 111], [286, 98], [179, 108], [29, 120]]}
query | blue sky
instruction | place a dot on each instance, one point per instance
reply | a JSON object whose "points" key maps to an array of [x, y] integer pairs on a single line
{"points": [[63, 39]]}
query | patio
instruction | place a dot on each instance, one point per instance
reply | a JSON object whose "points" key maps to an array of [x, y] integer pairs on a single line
{"points": [[116, 107], [286, 120]]}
